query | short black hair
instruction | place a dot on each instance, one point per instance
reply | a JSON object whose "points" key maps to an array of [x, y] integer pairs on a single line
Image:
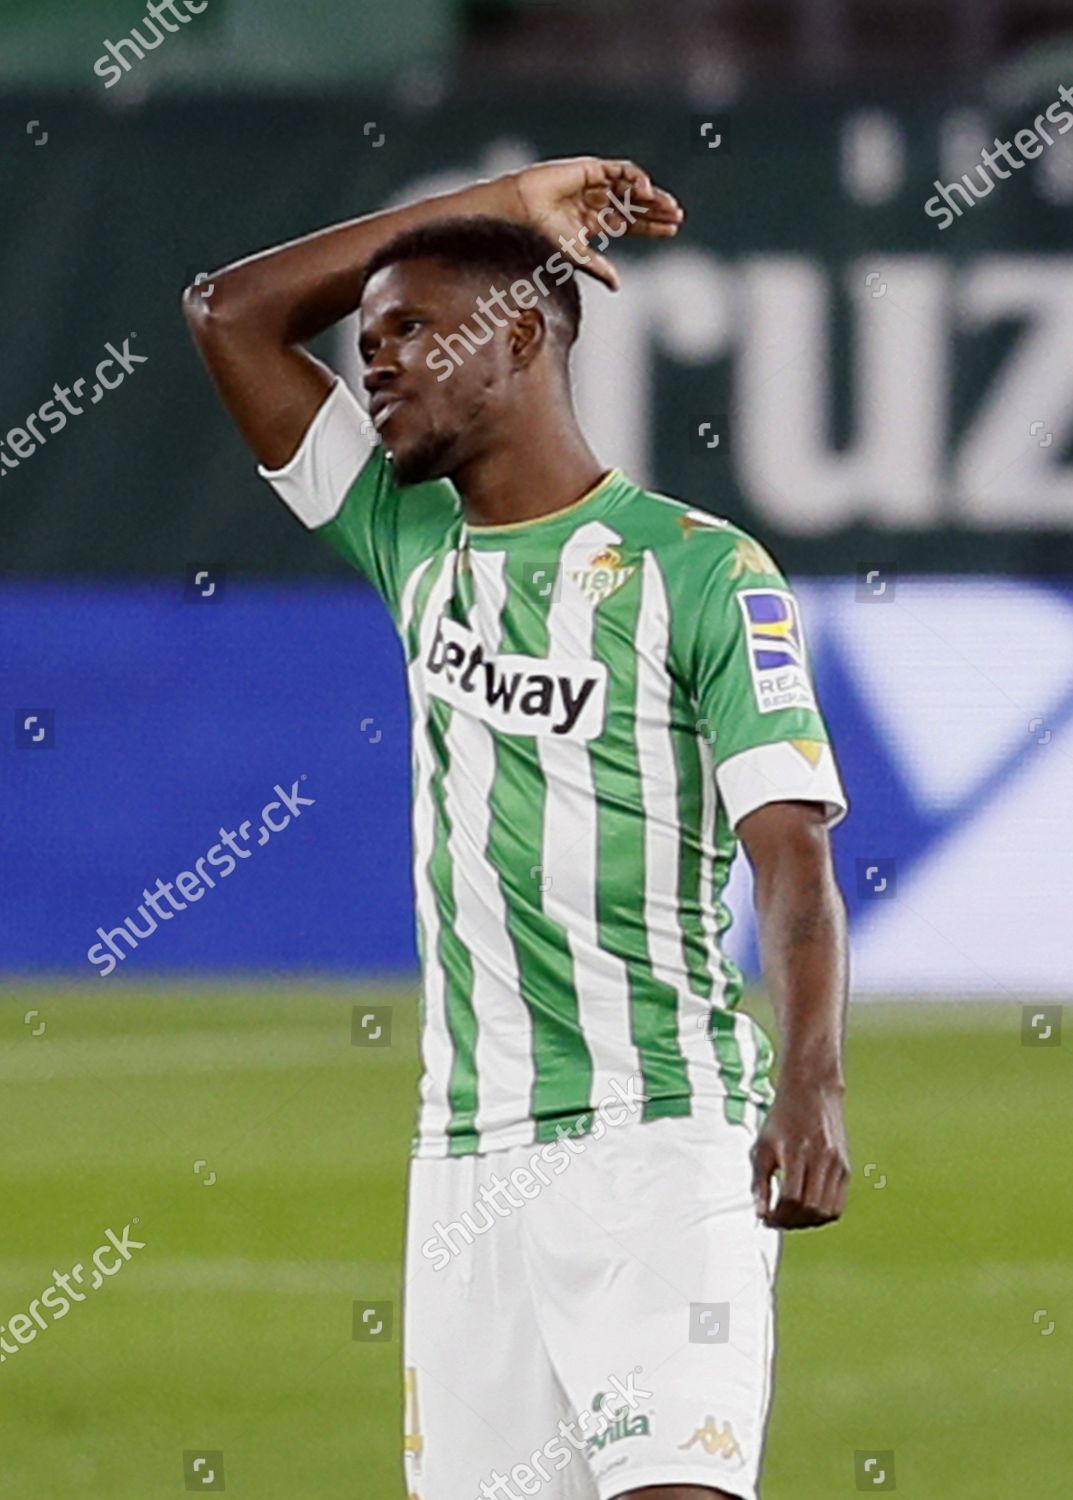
{"points": [[500, 248]]}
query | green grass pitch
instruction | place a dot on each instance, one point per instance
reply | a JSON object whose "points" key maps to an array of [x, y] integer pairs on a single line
{"points": [[936, 1321]]}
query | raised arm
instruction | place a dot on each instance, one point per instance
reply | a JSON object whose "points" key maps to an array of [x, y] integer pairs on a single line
{"points": [[803, 945], [251, 319]]}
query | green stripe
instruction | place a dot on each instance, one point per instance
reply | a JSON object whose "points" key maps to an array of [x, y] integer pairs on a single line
{"points": [[453, 956], [561, 1061], [762, 1085], [417, 611], [620, 843], [731, 1065]]}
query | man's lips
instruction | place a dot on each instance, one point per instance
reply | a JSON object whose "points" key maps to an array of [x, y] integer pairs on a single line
{"points": [[383, 411]]}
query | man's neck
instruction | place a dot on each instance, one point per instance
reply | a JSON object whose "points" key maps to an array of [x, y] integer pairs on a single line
{"points": [[534, 477]]}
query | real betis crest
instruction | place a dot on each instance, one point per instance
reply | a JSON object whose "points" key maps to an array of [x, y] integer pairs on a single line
{"points": [[604, 576]]}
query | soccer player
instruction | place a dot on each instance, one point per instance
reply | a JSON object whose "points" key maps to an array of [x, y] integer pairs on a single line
{"points": [[610, 690]]}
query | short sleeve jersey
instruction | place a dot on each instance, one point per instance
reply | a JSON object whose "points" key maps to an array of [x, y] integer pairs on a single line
{"points": [[599, 697]]}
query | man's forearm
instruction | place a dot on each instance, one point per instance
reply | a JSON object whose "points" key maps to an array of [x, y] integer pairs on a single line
{"points": [[803, 943], [252, 320], [295, 292], [802, 928]]}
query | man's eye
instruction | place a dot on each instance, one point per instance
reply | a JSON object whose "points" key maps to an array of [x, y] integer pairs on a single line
{"points": [[409, 325]]}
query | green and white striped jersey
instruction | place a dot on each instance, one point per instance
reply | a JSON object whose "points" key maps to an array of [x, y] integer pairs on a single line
{"points": [[598, 697]]}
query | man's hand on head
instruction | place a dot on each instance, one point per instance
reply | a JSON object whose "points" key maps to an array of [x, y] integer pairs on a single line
{"points": [[585, 203]]}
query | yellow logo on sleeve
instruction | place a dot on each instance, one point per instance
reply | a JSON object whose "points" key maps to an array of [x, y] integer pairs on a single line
{"points": [[751, 557]]}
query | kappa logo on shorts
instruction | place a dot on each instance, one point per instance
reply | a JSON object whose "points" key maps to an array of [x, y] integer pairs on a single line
{"points": [[718, 1441], [516, 694], [776, 648]]}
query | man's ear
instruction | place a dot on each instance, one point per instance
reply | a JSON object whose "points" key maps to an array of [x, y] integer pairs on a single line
{"points": [[527, 337]]}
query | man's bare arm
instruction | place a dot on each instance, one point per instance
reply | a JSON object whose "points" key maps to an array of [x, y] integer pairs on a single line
{"points": [[803, 944], [251, 326]]}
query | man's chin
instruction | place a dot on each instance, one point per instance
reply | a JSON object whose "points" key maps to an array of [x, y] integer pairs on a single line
{"points": [[425, 461]]}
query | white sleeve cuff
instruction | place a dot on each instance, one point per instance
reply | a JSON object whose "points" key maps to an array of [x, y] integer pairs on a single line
{"points": [[790, 771], [331, 455]]}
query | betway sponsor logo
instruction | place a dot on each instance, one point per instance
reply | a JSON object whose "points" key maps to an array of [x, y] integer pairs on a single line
{"points": [[516, 694]]}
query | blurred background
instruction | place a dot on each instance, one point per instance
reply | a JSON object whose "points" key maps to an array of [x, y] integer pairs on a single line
{"points": [[860, 348]]}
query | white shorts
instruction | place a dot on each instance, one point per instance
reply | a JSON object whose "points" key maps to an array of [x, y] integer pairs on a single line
{"points": [[601, 1322]]}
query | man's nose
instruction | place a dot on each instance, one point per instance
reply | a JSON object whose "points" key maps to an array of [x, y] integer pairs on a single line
{"points": [[379, 374]]}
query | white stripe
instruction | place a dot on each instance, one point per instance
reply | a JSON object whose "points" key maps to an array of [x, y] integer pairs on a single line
{"points": [[504, 1049], [744, 1028], [659, 786], [437, 1051], [709, 804], [570, 846]]}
